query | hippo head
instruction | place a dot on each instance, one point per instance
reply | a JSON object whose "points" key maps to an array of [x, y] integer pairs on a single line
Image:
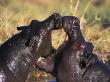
{"points": [[38, 34], [53, 22], [71, 26]]}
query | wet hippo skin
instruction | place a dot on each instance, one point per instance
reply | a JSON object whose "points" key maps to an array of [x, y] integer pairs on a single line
{"points": [[19, 53], [74, 61]]}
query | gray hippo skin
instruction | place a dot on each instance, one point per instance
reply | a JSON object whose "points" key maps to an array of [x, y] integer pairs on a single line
{"points": [[74, 61], [19, 53]]}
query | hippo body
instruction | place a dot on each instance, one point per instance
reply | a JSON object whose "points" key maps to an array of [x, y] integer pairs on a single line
{"points": [[19, 53], [74, 61]]}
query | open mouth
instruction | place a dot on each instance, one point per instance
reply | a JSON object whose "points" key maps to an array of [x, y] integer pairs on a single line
{"points": [[58, 37]]}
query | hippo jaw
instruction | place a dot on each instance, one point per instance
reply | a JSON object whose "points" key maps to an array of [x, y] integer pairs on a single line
{"points": [[38, 34], [54, 22]]}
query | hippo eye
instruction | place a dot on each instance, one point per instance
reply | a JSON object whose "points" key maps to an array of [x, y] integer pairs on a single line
{"points": [[28, 42], [82, 64]]}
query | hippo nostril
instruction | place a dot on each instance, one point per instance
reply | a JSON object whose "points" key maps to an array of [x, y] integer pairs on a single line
{"points": [[56, 15], [58, 21]]}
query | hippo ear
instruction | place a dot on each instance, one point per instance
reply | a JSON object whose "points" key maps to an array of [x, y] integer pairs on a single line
{"points": [[21, 28], [33, 22]]}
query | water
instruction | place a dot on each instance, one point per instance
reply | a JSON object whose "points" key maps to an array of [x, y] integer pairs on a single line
{"points": [[52, 81]]}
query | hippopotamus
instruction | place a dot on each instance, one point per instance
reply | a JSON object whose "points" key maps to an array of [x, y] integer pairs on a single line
{"points": [[20, 52], [74, 60]]}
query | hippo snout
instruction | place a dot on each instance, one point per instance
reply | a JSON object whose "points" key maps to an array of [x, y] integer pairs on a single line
{"points": [[58, 21]]}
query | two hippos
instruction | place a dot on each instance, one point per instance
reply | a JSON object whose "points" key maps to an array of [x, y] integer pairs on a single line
{"points": [[73, 61]]}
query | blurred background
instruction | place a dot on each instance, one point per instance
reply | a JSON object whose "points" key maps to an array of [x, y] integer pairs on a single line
{"points": [[94, 16]]}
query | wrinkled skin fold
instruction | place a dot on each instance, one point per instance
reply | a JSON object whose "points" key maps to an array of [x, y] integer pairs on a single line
{"points": [[19, 53], [65, 63]]}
